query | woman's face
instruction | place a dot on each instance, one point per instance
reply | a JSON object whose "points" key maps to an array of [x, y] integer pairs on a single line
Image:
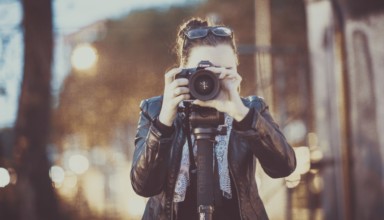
{"points": [[221, 55]]}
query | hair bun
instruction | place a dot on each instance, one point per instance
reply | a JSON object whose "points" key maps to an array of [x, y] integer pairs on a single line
{"points": [[196, 23], [192, 24]]}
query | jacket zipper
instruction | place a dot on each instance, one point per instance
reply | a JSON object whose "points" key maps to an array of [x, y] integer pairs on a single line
{"points": [[237, 192]]}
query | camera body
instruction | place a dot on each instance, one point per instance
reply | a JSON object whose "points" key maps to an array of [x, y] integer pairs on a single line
{"points": [[203, 84]]}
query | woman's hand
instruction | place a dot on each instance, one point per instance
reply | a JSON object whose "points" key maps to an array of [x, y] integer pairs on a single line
{"points": [[175, 91], [228, 100]]}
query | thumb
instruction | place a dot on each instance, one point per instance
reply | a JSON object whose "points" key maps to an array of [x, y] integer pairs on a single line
{"points": [[200, 103]]}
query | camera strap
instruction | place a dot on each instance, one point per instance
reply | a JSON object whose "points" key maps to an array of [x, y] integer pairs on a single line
{"points": [[192, 166], [187, 130]]}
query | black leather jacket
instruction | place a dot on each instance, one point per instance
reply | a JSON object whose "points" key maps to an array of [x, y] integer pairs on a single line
{"points": [[156, 160]]}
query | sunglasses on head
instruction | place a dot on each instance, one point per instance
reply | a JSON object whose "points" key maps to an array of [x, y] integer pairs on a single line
{"points": [[202, 32]]}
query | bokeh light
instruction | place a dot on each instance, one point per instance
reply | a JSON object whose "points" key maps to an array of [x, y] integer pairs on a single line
{"points": [[13, 175], [57, 174], [78, 163], [5, 178], [84, 56], [303, 165], [293, 180], [136, 207], [303, 159], [295, 131]]}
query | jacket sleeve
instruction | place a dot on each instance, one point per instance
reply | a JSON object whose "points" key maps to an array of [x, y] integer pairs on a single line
{"points": [[268, 143], [151, 156]]}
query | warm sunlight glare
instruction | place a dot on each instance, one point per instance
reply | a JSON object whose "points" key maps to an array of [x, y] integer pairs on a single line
{"points": [[84, 57]]}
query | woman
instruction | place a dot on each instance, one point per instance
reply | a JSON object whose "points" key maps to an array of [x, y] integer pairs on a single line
{"points": [[162, 164]]}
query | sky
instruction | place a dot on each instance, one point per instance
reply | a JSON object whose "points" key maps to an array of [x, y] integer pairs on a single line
{"points": [[68, 17]]}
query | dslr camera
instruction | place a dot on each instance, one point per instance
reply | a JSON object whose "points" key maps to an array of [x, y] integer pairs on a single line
{"points": [[203, 84]]}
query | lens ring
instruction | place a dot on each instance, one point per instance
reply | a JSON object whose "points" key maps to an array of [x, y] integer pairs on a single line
{"points": [[204, 85]]}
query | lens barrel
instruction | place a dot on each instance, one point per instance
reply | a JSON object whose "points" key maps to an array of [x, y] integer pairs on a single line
{"points": [[204, 85]]}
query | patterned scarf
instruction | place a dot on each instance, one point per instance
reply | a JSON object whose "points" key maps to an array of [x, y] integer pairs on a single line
{"points": [[221, 154]]}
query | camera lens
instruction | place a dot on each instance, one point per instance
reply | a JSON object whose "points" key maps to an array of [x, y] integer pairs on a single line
{"points": [[204, 85]]}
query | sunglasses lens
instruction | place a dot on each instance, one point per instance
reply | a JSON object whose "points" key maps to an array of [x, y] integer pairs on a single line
{"points": [[197, 33], [203, 32], [222, 31]]}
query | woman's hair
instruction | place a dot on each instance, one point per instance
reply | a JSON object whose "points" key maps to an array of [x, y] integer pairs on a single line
{"points": [[184, 45]]}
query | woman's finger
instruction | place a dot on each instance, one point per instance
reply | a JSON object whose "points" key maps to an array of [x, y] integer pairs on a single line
{"points": [[209, 103], [225, 75], [170, 75], [180, 98], [180, 90], [181, 82], [224, 72]]}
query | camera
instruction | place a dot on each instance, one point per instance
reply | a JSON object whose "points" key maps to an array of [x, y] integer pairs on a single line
{"points": [[203, 84]]}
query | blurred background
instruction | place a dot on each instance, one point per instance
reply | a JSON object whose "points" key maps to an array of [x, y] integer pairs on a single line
{"points": [[73, 72]]}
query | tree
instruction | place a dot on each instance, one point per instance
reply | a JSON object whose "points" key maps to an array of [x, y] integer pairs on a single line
{"points": [[35, 195]]}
